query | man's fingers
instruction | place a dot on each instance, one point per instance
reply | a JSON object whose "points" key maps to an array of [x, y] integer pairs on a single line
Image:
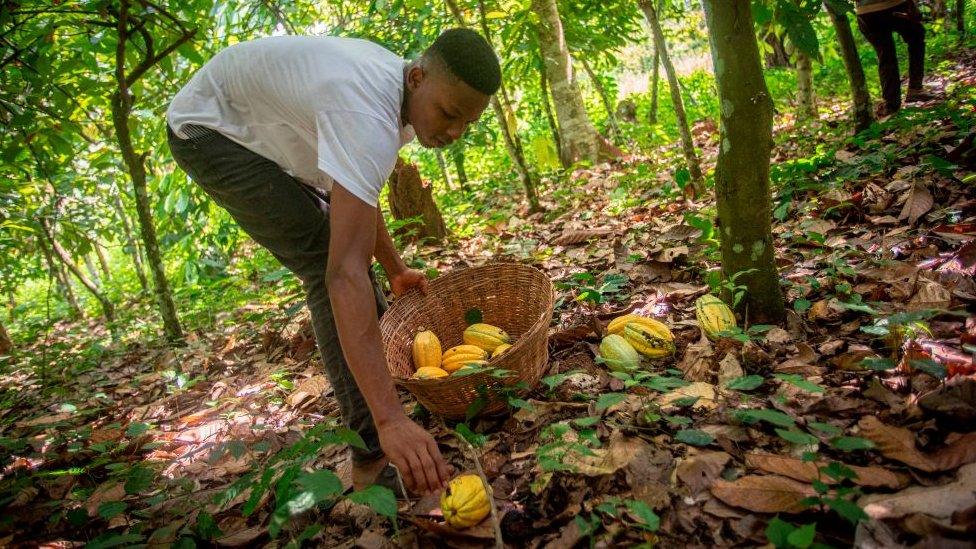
{"points": [[417, 469], [443, 473], [404, 467], [429, 469]]}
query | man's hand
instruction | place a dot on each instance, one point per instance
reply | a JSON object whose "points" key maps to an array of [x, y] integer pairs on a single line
{"points": [[406, 280], [413, 450]]}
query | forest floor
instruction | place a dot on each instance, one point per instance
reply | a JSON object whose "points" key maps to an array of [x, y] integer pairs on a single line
{"points": [[852, 423]]}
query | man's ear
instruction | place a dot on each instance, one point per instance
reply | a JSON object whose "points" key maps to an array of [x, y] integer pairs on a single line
{"points": [[415, 76]]}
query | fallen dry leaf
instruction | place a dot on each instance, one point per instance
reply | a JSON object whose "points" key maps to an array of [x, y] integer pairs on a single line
{"points": [[918, 202], [899, 444], [807, 471], [937, 501], [705, 392], [699, 471], [763, 494]]}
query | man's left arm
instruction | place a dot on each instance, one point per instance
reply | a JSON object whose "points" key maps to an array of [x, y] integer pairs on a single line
{"points": [[400, 276]]}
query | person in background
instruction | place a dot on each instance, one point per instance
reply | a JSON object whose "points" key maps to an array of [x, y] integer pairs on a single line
{"points": [[878, 20]]}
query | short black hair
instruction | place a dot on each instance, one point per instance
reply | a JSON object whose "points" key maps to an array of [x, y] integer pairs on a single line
{"points": [[469, 57]]}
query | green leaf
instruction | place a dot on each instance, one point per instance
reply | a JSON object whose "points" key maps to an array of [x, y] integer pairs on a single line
{"points": [[930, 367], [799, 381], [322, 484], [802, 537], [801, 305], [136, 429], [774, 417], [694, 437], [847, 509], [797, 437], [745, 383], [111, 509], [379, 498], [850, 444], [878, 364], [647, 516], [475, 439], [607, 400], [139, 479], [207, 527], [778, 532], [473, 316], [112, 539]]}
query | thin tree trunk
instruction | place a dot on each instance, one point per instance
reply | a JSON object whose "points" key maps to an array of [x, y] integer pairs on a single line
{"points": [[544, 87], [687, 144], [806, 102], [6, 345], [135, 163], [655, 85], [57, 272], [512, 141], [580, 140], [131, 242], [961, 19], [443, 167], [742, 171], [860, 98], [778, 57], [92, 271], [604, 98], [457, 157], [107, 308], [102, 260]]}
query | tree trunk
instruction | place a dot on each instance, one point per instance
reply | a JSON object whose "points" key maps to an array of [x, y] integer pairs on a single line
{"points": [[806, 102], [687, 144], [742, 170], [860, 98], [102, 260], [580, 140], [457, 157], [5, 344], [512, 141], [92, 271], [443, 167], [107, 308], [604, 98], [544, 87], [655, 85], [938, 9], [131, 243], [778, 57], [409, 197], [57, 272], [135, 163], [961, 19]]}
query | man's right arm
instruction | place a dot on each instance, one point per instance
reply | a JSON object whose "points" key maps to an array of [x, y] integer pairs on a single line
{"points": [[353, 237]]}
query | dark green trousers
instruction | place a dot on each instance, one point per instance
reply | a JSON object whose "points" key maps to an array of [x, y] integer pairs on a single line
{"points": [[292, 222]]}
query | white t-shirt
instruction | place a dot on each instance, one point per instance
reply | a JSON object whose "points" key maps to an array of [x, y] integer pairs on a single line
{"points": [[323, 108]]}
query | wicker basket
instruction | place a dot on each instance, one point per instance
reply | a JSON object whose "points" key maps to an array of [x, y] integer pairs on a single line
{"points": [[516, 298]]}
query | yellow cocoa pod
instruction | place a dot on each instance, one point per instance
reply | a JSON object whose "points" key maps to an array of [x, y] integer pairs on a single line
{"points": [[485, 336], [458, 356], [501, 349], [651, 340], [465, 502], [473, 365], [426, 350], [713, 315], [619, 355], [429, 372], [617, 325]]}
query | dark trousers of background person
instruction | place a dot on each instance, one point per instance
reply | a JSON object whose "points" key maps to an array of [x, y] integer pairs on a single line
{"points": [[878, 28], [292, 222]]}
